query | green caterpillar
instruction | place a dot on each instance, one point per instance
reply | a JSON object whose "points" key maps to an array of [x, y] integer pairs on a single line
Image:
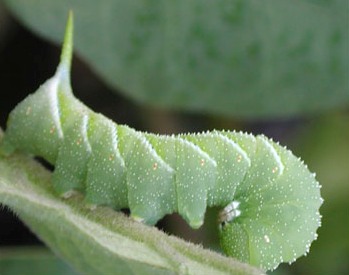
{"points": [[270, 201]]}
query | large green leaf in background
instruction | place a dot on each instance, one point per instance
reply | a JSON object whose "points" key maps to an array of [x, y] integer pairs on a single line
{"points": [[245, 58]]}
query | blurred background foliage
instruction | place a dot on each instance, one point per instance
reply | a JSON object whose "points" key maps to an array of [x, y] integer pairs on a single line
{"points": [[280, 68]]}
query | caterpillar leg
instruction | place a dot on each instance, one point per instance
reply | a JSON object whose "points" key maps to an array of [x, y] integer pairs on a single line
{"points": [[106, 170], [195, 174], [71, 165], [151, 192]]}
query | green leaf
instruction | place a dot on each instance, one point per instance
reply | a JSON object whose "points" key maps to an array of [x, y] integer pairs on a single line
{"points": [[31, 261], [100, 240], [232, 57]]}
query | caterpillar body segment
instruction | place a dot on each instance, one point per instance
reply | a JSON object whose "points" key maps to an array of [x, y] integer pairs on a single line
{"points": [[269, 199], [69, 175], [232, 165], [106, 170], [151, 192], [45, 101], [195, 174]]}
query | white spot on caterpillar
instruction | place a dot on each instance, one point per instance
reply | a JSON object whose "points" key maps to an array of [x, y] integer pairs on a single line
{"points": [[266, 239], [155, 166], [239, 158], [202, 162], [29, 109], [78, 142], [52, 130]]}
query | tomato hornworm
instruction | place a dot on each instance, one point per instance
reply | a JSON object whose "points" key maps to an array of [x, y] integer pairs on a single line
{"points": [[269, 199]]}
